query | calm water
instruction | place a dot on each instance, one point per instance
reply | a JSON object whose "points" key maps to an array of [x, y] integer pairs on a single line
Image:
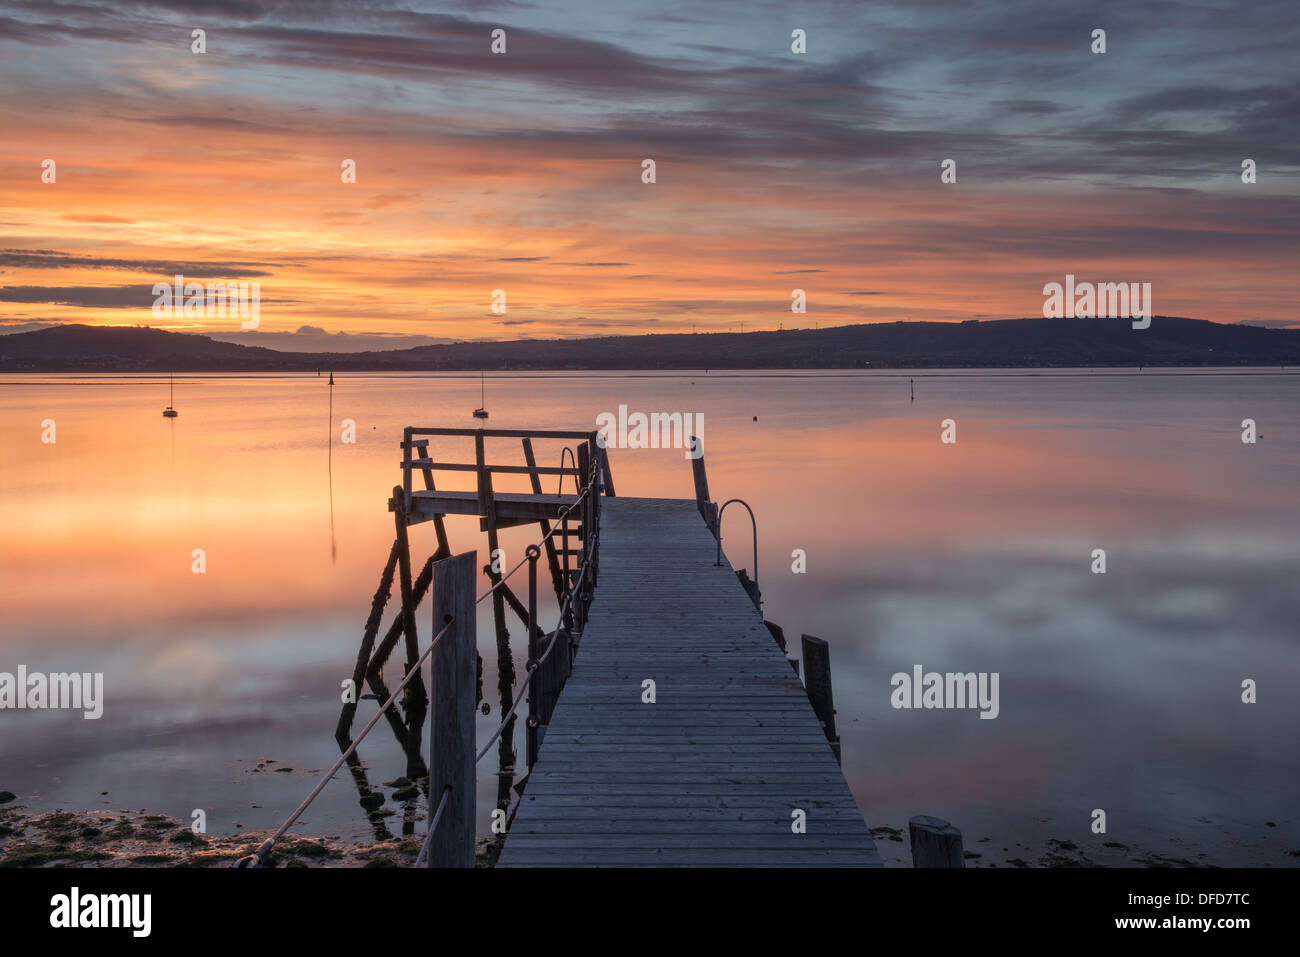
{"points": [[1118, 691]]}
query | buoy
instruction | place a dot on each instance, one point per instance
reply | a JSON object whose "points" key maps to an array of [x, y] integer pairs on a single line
{"points": [[755, 418]]}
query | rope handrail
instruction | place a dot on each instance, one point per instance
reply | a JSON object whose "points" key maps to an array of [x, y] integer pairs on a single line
{"points": [[565, 605], [259, 856], [510, 712]]}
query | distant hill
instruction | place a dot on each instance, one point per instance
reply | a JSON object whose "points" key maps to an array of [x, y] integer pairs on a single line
{"points": [[75, 348], [1004, 343]]}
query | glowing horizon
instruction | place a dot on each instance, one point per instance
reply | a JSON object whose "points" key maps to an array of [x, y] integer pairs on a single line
{"points": [[522, 171]]}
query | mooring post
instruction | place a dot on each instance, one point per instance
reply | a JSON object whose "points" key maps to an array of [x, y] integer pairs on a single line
{"points": [[607, 477], [534, 688], [451, 734], [935, 842], [702, 500], [817, 679]]}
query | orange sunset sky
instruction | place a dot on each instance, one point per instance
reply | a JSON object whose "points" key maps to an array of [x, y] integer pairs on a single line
{"points": [[522, 171]]}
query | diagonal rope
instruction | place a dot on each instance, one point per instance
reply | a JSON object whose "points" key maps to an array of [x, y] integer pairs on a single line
{"points": [[259, 856]]}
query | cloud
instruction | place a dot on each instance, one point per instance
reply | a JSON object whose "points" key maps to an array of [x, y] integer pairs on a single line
{"points": [[94, 297], [50, 259], [1270, 323], [308, 338]]}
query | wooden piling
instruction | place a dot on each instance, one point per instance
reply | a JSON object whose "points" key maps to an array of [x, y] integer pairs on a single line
{"points": [[935, 842], [702, 485], [416, 697], [505, 659], [451, 734], [389, 641], [817, 681], [343, 730]]}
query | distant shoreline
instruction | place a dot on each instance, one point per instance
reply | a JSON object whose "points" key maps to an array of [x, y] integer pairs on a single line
{"points": [[1011, 372], [902, 347]]}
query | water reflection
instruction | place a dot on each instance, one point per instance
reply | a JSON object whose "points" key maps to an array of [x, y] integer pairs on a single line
{"points": [[1120, 691]]}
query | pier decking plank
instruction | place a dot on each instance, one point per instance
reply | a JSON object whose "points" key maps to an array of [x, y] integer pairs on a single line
{"points": [[709, 774]]}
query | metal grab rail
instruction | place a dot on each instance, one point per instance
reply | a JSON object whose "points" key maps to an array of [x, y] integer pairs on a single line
{"points": [[752, 520], [573, 457]]}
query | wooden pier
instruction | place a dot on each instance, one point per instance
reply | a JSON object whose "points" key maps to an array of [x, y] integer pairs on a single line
{"points": [[715, 771], [665, 725]]}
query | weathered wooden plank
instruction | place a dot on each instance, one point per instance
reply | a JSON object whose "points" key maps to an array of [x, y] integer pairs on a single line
{"points": [[711, 771]]}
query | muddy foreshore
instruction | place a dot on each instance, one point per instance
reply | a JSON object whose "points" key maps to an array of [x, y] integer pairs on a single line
{"points": [[126, 838]]}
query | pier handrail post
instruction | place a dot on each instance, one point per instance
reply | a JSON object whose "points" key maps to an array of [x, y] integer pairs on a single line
{"points": [[584, 465], [406, 469], [454, 665], [534, 690], [568, 585], [702, 499]]}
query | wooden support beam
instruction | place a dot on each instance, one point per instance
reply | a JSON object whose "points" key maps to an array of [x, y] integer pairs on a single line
{"points": [[415, 698], [503, 433], [439, 528], [342, 732], [389, 642], [505, 660], [394, 719], [451, 732], [499, 469], [552, 559], [512, 600]]}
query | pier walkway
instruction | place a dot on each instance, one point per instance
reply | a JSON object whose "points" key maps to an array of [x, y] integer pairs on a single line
{"points": [[665, 725], [714, 771]]}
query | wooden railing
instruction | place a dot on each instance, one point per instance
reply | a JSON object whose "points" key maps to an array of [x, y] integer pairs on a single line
{"points": [[416, 457]]}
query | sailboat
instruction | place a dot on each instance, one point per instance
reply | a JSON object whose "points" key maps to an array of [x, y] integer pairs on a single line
{"points": [[169, 412], [480, 412]]}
